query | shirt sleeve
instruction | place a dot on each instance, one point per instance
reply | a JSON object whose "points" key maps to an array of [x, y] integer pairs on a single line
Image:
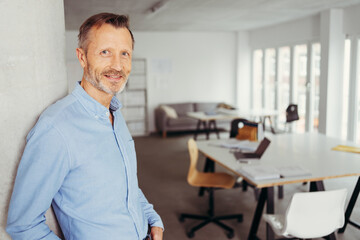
{"points": [[154, 219], [42, 169]]}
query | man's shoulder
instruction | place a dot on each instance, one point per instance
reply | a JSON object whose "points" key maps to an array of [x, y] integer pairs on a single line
{"points": [[59, 110]]}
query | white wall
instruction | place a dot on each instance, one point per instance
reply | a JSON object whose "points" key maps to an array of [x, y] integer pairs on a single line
{"points": [[292, 32], [351, 20], [32, 76], [182, 66], [243, 86]]}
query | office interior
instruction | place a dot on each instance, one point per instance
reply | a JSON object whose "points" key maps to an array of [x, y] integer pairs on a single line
{"points": [[310, 60]]}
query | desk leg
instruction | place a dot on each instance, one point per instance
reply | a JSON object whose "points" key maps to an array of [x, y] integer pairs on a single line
{"points": [[197, 129], [213, 122], [350, 207], [209, 167], [258, 213], [206, 128], [270, 209]]}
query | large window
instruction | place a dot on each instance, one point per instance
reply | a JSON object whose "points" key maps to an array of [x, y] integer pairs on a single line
{"points": [[284, 84], [300, 58], [346, 78], [269, 84], [316, 49], [281, 76]]}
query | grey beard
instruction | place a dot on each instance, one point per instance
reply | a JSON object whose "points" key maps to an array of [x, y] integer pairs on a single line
{"points": [[100, 86]]}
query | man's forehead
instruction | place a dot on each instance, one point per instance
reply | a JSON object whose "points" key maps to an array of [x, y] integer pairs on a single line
{"points": [[107, 31]]}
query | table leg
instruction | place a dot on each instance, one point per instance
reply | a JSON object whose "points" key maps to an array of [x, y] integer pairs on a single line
{"points": [[350, 207], [197, 129], [213, 122], [258, 214], [270, 209], [206, 128]]}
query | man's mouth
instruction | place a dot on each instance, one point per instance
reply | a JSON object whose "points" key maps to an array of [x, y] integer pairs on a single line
{"points": [[113, 77]]}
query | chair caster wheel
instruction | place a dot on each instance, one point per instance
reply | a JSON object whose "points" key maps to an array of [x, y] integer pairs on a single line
{"points": [[230, 235], [190, 234]]}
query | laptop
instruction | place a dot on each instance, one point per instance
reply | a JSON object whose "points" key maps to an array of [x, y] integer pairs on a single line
{"points": [[245, 156]]}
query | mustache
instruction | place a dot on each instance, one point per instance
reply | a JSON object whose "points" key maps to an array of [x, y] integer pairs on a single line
{"points": [[114, 72]]}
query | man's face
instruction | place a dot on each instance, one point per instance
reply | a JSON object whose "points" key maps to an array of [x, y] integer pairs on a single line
{"points": [[107, 62]]}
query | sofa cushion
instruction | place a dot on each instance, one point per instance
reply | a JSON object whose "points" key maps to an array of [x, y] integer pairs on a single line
{"points": [[184, 121], [206, 107], [170, 112], [182, 108]]}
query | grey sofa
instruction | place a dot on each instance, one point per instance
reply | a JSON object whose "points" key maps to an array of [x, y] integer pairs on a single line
{"points": [[164, 123]]}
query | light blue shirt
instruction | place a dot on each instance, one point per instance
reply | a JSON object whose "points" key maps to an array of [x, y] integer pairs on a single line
{"points": [[86, 168]]}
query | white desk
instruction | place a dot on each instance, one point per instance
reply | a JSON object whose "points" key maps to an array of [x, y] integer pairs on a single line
{"points": [[207, 121], [253, 114], [311, 151]]}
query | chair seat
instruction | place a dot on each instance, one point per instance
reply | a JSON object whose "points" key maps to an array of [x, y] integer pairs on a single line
{"points": [[215, 180]]}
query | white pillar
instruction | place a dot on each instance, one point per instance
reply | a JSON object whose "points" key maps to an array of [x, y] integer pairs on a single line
{"points": [[32, 76], [243, 74], [332, 58]]}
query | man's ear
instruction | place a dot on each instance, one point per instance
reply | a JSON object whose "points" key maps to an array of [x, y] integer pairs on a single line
{"points": [[80, 53]]}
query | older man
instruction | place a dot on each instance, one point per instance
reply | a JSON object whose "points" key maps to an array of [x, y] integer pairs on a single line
{"points": [[80, 156]]}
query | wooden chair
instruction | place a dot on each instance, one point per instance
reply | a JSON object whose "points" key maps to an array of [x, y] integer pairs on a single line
{"points": [[209, 181], [310, 215]]}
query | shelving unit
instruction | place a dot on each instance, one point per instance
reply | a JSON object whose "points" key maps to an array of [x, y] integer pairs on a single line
{"points": [[134, 99]]}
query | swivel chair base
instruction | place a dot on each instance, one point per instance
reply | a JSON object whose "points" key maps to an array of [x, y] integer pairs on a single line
{"points": [[210, 218]]}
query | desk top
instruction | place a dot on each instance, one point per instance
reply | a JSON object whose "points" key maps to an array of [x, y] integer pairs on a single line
{"points": [[311, 151], [204, 117], [251, 113]]}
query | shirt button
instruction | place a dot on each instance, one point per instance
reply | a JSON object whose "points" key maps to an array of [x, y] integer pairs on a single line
{"points": [[107, 113], [96, 116]]}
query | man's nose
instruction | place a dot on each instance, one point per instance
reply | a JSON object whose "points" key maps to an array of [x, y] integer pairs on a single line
{"points": [[116, 63]]}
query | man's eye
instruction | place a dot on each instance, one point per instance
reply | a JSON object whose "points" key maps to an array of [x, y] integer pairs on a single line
{"points": [[105, 52], [125, 54]]}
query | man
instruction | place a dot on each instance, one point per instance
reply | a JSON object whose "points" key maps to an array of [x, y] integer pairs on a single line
{"points": [[80, 156]]}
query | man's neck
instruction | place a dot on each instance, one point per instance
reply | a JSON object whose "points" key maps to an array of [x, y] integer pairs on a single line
{"points": [[102, 97]]}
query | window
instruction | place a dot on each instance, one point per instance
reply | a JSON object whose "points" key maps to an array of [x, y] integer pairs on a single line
{"points": [[346, 78], [300, 74], [269, 85], [284, 84], [316, 50]]}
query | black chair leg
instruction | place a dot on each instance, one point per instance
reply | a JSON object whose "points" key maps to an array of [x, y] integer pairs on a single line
{"points": [[210, 218]]}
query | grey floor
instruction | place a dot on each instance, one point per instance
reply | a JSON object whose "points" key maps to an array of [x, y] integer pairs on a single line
{"points": [[162, 170]]}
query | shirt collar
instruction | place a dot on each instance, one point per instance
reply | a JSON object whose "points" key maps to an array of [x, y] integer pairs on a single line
{"points": [[92, 105]]}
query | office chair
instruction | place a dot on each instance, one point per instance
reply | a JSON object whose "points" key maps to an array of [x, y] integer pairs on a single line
{"points": [[310, 215], [248, 131], [210, 181], [291, 114]]}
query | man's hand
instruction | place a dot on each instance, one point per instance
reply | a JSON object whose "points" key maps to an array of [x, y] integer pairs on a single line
{"points": [[156, 233]]}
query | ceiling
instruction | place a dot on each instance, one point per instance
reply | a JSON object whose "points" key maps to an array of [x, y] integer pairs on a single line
{"points": [[199, 15]]}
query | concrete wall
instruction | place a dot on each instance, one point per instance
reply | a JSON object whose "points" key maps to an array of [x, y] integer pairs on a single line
{"points": [[32, 76], [181, 66]]}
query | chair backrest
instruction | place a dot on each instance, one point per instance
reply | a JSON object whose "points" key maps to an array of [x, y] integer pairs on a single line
{"points": [[194, 155], [292, 113], [315, 214], [246, 124]]}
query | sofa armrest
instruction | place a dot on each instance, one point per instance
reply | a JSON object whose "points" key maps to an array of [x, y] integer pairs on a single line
{"points": [[160, 119]]}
